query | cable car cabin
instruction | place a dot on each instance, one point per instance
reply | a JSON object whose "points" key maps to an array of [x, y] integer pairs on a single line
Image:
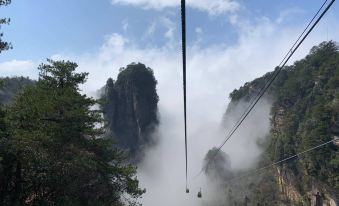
{"points": [[199, 194], [187, 190]]}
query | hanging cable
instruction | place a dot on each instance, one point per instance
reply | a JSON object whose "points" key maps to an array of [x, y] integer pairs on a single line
{"points": [[279, 67], [283, 160], [183, 26], [286, 58]]}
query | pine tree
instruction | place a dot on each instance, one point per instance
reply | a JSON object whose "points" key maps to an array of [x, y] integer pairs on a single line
{"points": [[3, 44], [61, 158]]}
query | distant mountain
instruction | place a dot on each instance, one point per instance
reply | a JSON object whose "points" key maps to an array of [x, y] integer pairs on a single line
{"points": [[12, 86], [130, 107], [305, 113]]}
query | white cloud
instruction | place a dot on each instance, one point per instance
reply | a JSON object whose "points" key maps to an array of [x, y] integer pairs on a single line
{"points": [[125, 24], [15, 67], [165, 23], [170, 28], [115, 41], [199, 36], [198, 30], [288, 13], [151, 29], [213, 7]]}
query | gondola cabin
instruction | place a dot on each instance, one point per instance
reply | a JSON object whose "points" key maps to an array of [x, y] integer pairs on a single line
{"points": [[199, 194]]}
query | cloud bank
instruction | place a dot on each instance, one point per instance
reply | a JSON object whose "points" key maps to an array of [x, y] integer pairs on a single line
{"points": [[17, 67], [213, 7]]}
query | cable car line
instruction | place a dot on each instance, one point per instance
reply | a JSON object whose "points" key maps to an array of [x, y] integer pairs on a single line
{"points": [[279, 66], [287, 57], [283, 160], [183, 26]]}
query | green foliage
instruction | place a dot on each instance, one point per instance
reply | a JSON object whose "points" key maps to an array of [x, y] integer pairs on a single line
{"points": [[266, 191], [250, 89], [217, 165], [3, 44], [4, 2], [307, 98], [12, 86], [305, 113], [54, 154]]}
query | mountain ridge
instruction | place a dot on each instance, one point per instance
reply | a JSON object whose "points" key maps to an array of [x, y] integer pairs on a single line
{"points": [[305, 113]]}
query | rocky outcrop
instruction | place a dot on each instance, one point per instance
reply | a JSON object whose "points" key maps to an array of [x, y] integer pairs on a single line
{"points": [[287, 188], [336, 141], [290, 194], [322, 195], [305, 114], [130, 107]]}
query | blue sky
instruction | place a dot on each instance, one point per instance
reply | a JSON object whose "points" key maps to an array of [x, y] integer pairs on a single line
{"points": [[109, 34], [40, 29], [229, 41]]}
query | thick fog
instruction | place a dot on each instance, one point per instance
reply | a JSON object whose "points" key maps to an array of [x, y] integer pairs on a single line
{"points": [[163, 170]]}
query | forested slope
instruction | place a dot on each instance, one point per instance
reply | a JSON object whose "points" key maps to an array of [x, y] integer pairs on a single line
{"points": [[11, 86], [51, 147], [305, 113]]}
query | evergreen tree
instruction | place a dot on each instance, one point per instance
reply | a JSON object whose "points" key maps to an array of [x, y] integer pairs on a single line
{"points": [[3, 44], [60, 157]]}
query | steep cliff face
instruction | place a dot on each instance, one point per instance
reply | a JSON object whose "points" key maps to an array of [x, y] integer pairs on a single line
{"points": [[130, 107], [305, 113]]}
